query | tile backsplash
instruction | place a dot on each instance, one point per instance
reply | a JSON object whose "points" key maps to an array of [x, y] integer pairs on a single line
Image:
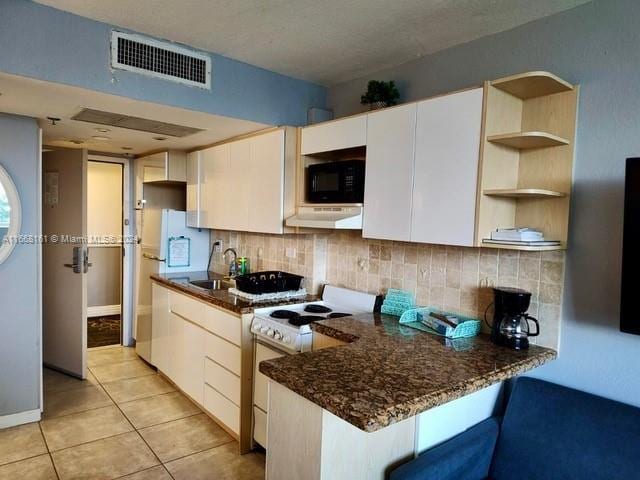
{"points": [[457, 279]]}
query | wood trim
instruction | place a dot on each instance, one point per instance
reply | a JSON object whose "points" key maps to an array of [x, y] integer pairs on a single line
{"points": [[523, 193], [20, 418], [103, 310], [483, 128], [527, 140], [532, 84]]}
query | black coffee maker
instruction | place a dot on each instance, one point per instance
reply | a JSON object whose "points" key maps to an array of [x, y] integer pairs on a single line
{"points": [[511, 324]]}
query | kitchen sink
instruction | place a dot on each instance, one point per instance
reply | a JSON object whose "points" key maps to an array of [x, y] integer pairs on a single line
{"points": [[211, 284]]}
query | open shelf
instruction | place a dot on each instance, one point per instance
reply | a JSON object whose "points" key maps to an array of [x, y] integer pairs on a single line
{"points": [[524, 193], [532, 84], [527, 140], [527, 248]]}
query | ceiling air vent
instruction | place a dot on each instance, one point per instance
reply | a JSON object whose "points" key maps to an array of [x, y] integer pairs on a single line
{"points": [[139, 54], [134, 123]]}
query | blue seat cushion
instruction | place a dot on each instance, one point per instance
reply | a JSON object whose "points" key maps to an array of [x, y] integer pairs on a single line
{"points": [[553, 432]]}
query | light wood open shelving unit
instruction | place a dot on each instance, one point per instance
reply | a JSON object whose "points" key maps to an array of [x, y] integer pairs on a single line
{"points": [[527, 151], [526, 140]]}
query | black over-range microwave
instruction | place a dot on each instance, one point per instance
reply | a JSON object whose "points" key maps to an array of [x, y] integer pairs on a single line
{"points": [[336, 182]]}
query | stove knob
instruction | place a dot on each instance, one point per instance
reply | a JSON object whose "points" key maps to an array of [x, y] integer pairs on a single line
{"points": [[287, 339], [277, 335], [270, 333], [263, 330]]}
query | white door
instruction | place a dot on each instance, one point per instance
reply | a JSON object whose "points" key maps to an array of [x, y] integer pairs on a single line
{"points": [[216, 188], [446, 168], [267, 168], [389, 173], [65, 261]]}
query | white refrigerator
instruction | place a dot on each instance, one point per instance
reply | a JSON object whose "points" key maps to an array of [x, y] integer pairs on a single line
{"points": [[164, 234]]}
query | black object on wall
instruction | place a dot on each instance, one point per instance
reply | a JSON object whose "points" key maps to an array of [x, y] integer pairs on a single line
{"points": [[629, 311]]}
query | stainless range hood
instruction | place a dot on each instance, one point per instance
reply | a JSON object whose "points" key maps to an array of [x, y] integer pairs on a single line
{"points": [[346, 218]]}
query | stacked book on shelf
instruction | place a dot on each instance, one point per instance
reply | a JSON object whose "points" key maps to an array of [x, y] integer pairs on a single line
{"points": [[529, 237]]}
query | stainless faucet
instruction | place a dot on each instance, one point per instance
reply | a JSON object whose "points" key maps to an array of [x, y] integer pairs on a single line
{"points": [[233, 266]]}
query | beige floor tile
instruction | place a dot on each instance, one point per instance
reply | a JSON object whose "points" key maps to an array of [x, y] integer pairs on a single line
{"points": [[36, 468], [183, 437], [121, 370], [65, 402], [70, 430], [155, 473], [221, 463], [159, 409], [105, 459], [57, 382], [18, 443], [135, 388], [105, 356]]}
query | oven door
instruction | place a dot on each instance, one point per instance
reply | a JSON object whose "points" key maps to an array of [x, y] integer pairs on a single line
{"points": [[261, 391]]}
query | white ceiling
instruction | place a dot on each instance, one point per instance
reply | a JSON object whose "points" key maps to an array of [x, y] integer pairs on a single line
{"points": [[325, 41], [38, 99]]}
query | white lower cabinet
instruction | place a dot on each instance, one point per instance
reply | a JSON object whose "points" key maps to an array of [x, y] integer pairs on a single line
{"points": [[198, 347], [261, 394]]}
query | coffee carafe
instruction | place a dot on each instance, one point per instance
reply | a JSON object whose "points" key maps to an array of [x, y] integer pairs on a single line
{"points": [[511, 323]]}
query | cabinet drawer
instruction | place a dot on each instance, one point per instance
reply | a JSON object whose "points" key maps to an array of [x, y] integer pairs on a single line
{"points": [[222, 408], [222, 380], [223, 324], [260, 426], [187, 308], [223, 353]]}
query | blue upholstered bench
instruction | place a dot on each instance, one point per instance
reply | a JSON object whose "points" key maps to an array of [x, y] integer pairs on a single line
{"points": [[548, 432]]}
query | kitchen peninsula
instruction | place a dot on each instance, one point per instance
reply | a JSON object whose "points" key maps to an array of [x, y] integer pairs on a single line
{"points": [[388, 393]]}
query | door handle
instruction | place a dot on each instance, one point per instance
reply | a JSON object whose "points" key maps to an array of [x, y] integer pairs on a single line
{"points": [[153, 257]]}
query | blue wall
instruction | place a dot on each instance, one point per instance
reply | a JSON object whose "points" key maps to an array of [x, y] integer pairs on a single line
{"points": [[598, 46], [48, 44], [19, 294]]}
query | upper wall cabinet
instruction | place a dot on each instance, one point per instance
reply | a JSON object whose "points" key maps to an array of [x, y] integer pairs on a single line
{"points": [[249, 184], [168, 166], [391, 138], [334, 135], [193, 190], [446, 169]]}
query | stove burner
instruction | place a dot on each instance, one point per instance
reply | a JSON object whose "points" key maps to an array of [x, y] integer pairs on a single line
{"points": [[315, 308], [338, 315], [290, 314], [304, 320]]}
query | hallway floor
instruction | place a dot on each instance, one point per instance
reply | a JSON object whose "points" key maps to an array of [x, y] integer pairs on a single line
{"points": [[103, 331], [125, 421]]}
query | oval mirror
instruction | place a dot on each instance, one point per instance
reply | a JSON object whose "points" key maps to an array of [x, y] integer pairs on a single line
{"points": [[10, 215]]}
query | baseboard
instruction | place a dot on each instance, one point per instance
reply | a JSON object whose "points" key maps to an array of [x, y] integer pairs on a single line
{"points": [[103, 311], [21, 418]]}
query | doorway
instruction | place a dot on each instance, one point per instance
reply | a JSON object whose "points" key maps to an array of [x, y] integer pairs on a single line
{"points": [[105, 187]]}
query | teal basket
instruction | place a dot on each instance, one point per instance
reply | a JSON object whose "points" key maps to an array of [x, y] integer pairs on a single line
{"points": [[397, 302], [468, 327]]}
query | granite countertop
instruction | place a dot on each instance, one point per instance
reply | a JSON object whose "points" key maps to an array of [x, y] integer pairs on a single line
{"points": [[389, 372], [220, 298]]}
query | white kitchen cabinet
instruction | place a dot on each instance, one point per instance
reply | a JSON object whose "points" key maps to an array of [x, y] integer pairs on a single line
{"points": [[237, 204], [167, 166], [391, 137], [193, 189], [266, 181], [334, 135], [176, 364], [447, 146], [215, 188], [193, 366], [160, 327]]}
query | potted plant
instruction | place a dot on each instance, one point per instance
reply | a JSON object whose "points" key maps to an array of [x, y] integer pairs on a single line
{"points": [[380, 94]]}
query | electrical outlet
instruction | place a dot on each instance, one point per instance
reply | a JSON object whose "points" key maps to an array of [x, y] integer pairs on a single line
{"points": [[217, 246], [291, 252], [260, 252], [486, 282], [424, 272], [362, 263]]}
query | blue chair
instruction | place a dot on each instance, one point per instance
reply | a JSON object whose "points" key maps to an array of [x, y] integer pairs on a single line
{"points": [[548, 432]]}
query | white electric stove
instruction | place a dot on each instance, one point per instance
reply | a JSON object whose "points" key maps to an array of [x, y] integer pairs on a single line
{"points": [[288, 328]]}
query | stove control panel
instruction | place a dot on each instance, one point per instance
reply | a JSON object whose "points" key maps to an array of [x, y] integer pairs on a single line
{"points": [[293, 338]]}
